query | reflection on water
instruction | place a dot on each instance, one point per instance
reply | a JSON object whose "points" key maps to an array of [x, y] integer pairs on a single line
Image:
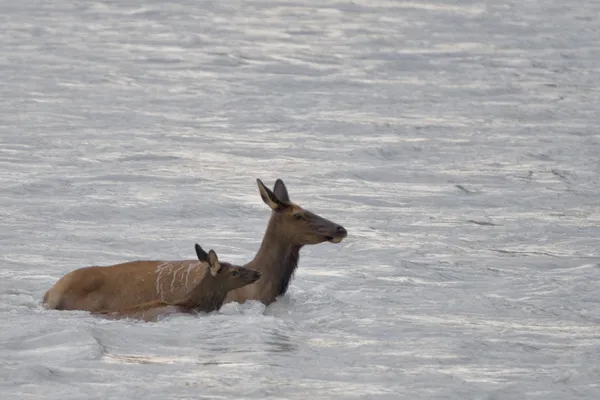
{"points": [[279, 342]]}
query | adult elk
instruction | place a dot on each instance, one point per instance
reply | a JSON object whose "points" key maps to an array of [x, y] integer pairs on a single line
{"points": [[126, 285]]}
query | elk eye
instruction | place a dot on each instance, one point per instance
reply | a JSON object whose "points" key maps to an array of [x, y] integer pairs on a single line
{"points": [[298, 216], [234, 273]]}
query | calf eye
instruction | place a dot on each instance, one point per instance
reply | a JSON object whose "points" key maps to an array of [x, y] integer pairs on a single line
{"points": [[234, 273], [298, 216]]}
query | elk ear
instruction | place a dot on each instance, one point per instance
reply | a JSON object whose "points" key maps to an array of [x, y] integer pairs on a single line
{"points": [[268, 197], [281, 191], [202, 255], [213, 263]]}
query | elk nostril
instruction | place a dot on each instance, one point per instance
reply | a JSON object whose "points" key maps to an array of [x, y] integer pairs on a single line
{"points": [[341, 230]]}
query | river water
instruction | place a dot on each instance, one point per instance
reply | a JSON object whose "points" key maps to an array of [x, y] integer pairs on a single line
{"points": [[457, 141]]}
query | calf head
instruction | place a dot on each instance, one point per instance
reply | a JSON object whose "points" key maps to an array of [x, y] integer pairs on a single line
{"points": [[226, 275]]}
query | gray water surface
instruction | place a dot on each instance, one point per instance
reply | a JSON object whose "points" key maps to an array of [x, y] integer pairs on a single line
{"points": [[457, 141]]}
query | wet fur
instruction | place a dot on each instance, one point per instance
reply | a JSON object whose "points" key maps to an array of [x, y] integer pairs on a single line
{"points": [[287, 269]]}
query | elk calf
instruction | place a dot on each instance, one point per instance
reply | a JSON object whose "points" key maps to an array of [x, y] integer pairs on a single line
{"points": [[206, 296]]}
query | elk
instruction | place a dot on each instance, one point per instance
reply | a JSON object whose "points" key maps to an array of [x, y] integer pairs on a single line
{"points": [[219, 278], [126, 285]]}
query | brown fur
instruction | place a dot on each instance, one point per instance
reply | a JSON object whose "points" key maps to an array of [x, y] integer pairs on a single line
{"points": [[127, 285], [290, 228], [207, 296]]}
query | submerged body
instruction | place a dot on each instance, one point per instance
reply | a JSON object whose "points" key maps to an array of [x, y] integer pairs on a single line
{"points": [[144, 313], [206, 296], [127, 285]]}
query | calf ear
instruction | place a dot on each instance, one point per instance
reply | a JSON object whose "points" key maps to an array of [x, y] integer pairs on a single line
{"points": [[213, 263], [202, 255]]}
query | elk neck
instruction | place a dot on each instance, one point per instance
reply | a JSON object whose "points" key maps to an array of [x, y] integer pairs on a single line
{"points": [[276, 259]]}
